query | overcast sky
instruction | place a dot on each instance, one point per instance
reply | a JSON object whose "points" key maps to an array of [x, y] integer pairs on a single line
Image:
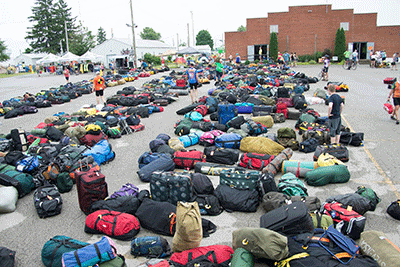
{"points": [[171, 17]]}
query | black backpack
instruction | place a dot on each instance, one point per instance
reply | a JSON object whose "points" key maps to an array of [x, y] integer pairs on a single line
{"points": [[54, 134], [47, 201], [209, 205], [309, 145], [202, 185]]}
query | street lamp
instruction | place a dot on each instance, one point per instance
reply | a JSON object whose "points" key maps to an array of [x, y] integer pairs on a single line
{"points": [[133, 26]]}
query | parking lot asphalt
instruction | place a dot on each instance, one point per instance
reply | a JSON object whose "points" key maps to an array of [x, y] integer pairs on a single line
{"points": [[374, 165]]}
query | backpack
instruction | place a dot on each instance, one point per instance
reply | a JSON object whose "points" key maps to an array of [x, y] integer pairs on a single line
{"points": [[118, 225], [189, 231], [308, 145], [290, 185], [209, 205], [101, 152], [89, 255], [53, 249], [150, 247], [47, 201]]}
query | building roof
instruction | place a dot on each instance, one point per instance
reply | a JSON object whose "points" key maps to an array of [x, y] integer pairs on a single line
{"points": [[142, 43], [34, 55]]}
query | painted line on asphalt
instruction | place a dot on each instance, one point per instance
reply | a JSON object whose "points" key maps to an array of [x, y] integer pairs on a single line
{"points": [[388, 181]]}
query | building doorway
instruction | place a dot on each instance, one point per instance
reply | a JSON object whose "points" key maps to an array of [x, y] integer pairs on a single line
{"points": [[264, 48], [361, 49]]}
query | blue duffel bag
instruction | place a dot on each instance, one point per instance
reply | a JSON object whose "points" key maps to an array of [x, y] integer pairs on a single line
{"points": [[164, 163], [101, 152], [228, 140], [189, 139], [148, 157], [226, 112], [244, 108]]}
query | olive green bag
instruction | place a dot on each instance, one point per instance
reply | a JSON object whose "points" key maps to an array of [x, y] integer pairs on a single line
{"points": [[321, 220], [262, 243]]}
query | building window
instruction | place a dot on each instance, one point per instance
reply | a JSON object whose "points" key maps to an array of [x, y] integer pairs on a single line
{"points": [[273, 28], [344, 25]]}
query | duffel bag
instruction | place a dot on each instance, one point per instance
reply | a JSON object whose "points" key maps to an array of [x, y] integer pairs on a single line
{"points": [[189, 139], [268, 121], [298, 168], [239, 179], [161, 164], [322, 136], [23, 182], [236, 122], [101, 152], [328, 175], [194, 116], [171, 187], [8, 199], [183, 127], [288, 220], [187, 109], [150, 247], [53, 249], [148, 157], [158, 217], [255, 161], [186, 159], [394, 209], [369, 194], [358, 203], [209, 205], [209, 168], [91, 139], [327, 160], [232, 199], [337, 150], [261, 145], [118, 225], [99, 252], [347, 221], [353, 139], [228, 140], [276, 164], [221, 155], [202, 185], [377, 245], [208, 138], [126, 204], [215, 255], [262, 243], [308, 145], [242, 258], [176, 144], [47, 201], [244, 108]]}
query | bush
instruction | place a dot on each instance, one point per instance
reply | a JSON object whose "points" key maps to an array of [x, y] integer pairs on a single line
{"points": [[256, 61], [150, 59], [328, 52], [312, 62], [169, 58], [305, 58], [247, 62]]}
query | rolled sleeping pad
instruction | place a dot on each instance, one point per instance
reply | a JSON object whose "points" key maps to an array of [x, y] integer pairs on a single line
{"points": [[298, 168], [276, 164]]}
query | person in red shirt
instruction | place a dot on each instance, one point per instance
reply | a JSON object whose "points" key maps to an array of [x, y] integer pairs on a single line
{"points": [[66, 73], [99, 84]]}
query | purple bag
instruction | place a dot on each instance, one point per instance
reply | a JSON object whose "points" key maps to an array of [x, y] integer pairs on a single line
{"points": [[289, 101], [244, 108], [126, 190], [207, 138]]}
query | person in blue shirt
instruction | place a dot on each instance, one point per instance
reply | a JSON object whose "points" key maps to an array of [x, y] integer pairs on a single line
{"points": [[286, 57], [193, 79], [237, 61]]}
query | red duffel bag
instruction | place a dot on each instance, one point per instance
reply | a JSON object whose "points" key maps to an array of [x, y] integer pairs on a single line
{"points": [[186, 159], [217, 254], [255, 161], [92, 139], [115, 224]]}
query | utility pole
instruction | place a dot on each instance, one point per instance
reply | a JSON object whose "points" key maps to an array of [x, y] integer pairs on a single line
{"points": [[188, 44], [66, 35], [133, 35], [177, 42], [61, 50], [194, 42]]}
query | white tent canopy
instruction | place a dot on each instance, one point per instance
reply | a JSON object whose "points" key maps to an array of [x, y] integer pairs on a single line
{"points": [[91, 56], [69, 57], [50, 58]]}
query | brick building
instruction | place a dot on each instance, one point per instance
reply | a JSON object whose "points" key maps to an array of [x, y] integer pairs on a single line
{"points": [[307, 29]]}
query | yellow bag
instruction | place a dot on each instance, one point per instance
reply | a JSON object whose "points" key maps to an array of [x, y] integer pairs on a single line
{"points": [[267, 121], [326, 159], [189, 230], [176, 144], [93, 128], [262, 145]]}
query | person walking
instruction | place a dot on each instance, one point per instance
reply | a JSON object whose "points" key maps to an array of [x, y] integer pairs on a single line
{"points": [[395, 94], [37, 68], [327, 63], [193, 79], [334, 114], [394, 61], [260, 53], [99, 85], [237, 61], [66, 74], [219, 70]]}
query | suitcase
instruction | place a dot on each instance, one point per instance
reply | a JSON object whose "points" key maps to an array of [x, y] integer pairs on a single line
{"points": [[221, 155], [171, 187], [239, 179], [161, 102], [91, 186], [338, 151], [262, 108], [226, 112], [288, 220]]}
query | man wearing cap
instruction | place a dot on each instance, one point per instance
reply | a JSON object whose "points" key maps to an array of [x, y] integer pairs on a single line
{"points": [[193, 78], [99, 84]]}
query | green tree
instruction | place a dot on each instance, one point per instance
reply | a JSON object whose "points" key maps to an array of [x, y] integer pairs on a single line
{"points": [[340, 44], [3, 55], [49, 19], [28, 50], [81, 41], [101, 36], [150, 34], [273, 46], [182, 44], [241, 28], [204, 38]]}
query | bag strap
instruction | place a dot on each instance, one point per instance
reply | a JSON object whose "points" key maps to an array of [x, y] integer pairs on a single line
{"points": [[285, 262], [172, 216], [77, 258]]}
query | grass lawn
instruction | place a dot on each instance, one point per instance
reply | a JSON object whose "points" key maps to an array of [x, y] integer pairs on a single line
{"points": [[5, 75]]}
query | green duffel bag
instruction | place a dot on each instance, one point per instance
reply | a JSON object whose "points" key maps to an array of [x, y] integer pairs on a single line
{"points": [[328, 175], [53, 249], [64, 182], [286, 132], [290, 185], [239, 179], [262, 243], [242, 258], [321, 220], [240, 132], [183, 127], [377, 245], [119, 261], [370, 195], [22, 181], [261, 145], [103, 127], [39, 132]]}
